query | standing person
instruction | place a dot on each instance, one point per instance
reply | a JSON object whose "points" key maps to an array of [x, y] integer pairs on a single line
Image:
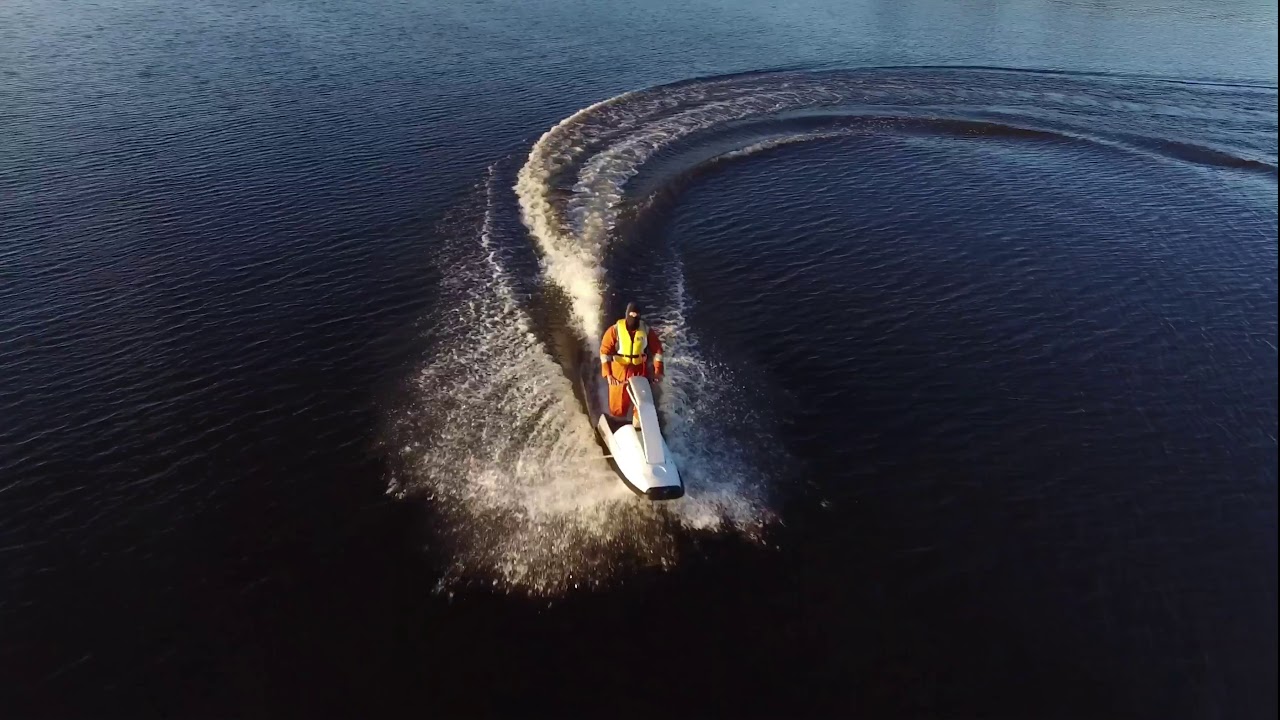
{"points": [[625, 351]]}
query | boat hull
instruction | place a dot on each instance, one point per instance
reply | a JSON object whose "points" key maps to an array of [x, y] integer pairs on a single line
{"points": [[640, 456]]}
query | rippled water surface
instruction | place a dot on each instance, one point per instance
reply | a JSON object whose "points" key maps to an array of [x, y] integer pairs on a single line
{"points": [[971, 317]]}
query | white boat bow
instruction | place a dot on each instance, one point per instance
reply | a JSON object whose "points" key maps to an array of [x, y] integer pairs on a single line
{"points": [[639, 453]]}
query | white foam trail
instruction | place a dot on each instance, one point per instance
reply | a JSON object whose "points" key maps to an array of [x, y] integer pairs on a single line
{"points": [[622, 133], [574, 266], [782, 141], [499, 445]]}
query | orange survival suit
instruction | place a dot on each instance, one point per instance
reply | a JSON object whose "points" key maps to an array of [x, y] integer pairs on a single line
{"points": [[625, 353]]}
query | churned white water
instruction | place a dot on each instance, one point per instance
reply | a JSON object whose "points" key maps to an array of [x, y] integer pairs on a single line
{"points": [[497, 443]]}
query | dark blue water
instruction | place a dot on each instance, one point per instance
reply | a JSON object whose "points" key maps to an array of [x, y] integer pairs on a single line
{"points": [[971, 314]]}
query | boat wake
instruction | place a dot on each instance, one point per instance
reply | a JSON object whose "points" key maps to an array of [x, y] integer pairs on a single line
{"points": [[495, 438], [496, 441]]}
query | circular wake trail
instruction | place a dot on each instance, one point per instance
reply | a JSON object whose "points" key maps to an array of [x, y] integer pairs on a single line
{"points": [[496, 439], [574, 266], [597, 150]]}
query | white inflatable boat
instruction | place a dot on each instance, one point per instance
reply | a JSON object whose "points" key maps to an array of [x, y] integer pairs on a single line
{"points": [[639, 454]]}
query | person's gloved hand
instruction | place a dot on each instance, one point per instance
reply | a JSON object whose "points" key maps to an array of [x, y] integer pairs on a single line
{"points": [[612, 380]]}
